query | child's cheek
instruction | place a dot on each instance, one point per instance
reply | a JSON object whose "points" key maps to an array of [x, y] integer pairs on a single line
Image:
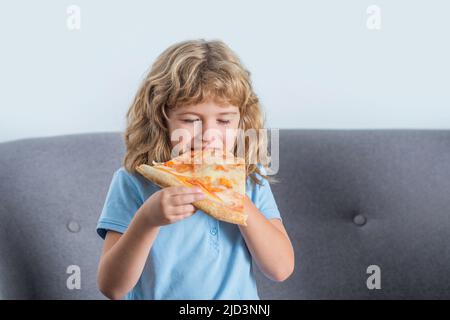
{"points": [[181, 136], [229, 138]]}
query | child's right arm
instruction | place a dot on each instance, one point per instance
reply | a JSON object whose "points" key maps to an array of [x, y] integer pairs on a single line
{"points": [[124, 255]]}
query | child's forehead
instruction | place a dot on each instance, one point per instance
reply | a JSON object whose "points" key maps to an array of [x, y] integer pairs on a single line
{"points": [[207, 106]]}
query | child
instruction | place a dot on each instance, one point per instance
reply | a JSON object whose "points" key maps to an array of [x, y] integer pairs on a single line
{"points": [[157, 245]]}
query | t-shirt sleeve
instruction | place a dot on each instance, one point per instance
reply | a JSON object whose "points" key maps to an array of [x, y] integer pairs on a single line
{"points": [[122, 201], [265, 200]]}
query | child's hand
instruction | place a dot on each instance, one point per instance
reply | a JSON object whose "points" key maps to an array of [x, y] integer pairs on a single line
{"points": [[170, 205]]}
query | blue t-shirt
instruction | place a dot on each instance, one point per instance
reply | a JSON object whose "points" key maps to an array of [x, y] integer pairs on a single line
{"points": [[196, 258]]}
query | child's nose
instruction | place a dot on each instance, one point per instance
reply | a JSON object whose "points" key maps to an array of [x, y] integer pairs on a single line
{"points": [[211, 135]]}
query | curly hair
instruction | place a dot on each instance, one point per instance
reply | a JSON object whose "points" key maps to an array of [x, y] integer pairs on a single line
{"points": [[188, 73]]}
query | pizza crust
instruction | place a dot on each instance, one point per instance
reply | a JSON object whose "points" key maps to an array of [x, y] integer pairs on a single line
{"points": [[161, 178], [214, 209], [221, 212]]}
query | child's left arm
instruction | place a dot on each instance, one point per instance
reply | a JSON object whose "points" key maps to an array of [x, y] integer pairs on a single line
{"points": [[268, 243]]}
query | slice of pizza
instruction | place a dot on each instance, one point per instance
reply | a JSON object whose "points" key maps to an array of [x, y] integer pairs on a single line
{"points": [[220, 176]]}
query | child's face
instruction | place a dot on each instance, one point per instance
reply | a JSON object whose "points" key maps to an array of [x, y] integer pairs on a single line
{"points": [[203, 126]]}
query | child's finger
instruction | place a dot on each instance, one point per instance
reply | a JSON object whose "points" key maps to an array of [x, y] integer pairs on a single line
{"points": [[185, 215], [185, 209], [182, 199]]}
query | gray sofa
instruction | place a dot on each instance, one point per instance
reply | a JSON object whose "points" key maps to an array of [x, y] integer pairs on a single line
{"points": [[350, 199]]}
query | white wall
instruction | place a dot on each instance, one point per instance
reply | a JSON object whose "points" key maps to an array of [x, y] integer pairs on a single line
{"points": [[315, 64]]}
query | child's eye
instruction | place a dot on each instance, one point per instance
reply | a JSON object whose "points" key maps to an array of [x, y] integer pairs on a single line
{"points": [[223, 121], [190, 120]]}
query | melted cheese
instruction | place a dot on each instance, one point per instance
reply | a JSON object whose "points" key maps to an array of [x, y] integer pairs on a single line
{"points": [[223, 182]]}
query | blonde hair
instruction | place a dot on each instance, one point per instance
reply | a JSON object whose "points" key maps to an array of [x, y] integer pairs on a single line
{"points": [[189, 73]]}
